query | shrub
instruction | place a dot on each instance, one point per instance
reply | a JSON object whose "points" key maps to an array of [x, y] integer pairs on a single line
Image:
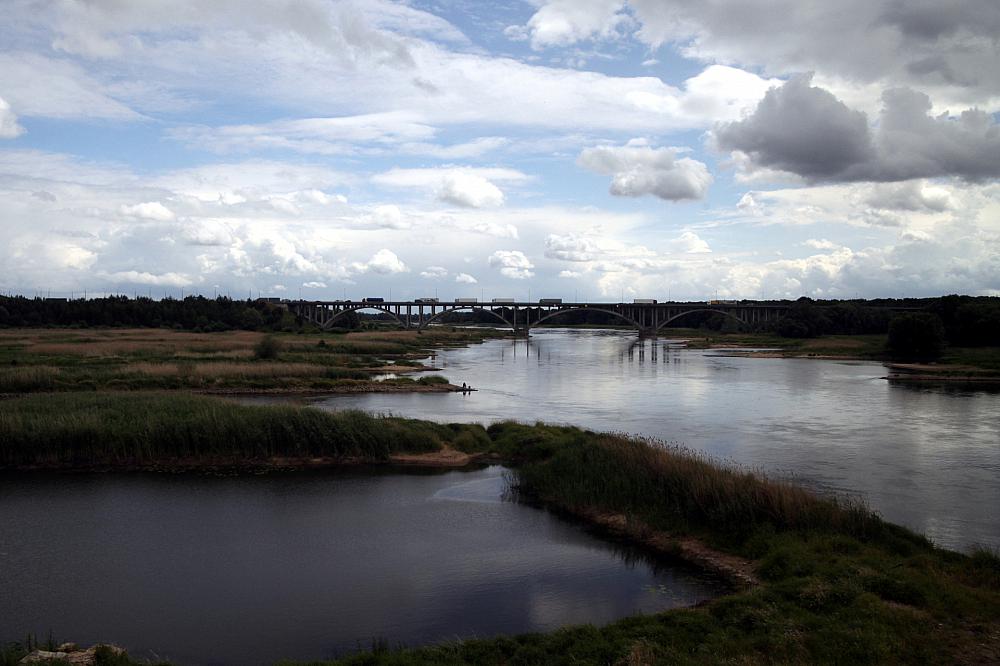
{"points": [[268, 348]]}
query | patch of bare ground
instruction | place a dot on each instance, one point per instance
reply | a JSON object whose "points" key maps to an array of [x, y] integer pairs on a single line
{"points": [[446, 457], [737, 570]]}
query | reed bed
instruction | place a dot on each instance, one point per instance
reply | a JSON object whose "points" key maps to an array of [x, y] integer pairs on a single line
{"points": [[670, 487], [128, 429]]}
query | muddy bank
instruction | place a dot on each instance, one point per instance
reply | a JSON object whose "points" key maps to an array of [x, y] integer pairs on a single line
{"points": [[738, 571], [369, 387]]}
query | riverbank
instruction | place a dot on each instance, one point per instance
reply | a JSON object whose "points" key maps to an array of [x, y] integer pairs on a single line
{"points": [[46, 360], [836, 583], [958, 364]]}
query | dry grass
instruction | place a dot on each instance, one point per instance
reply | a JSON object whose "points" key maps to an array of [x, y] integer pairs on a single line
{"points": [[227, 370]]}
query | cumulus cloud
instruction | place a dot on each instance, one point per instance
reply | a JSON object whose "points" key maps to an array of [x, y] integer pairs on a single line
{"points": [[150, 210], [690, 243], [805, 130], [465, 278], [9, 127], [561, 22], [512, 263], [434, 273], [389, 216], [384, 262], [467, 187], [637, 169], [470, 190], [314, 285], [572, 247]]}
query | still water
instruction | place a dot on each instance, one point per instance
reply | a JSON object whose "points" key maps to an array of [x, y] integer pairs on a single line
{"points": [[251, 569], [924, 456]]}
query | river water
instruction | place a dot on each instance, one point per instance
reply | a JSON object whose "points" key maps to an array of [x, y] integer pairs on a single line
{"points": [[252, 569], [924, 456]]}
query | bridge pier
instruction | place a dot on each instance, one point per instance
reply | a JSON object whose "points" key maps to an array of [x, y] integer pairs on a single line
{"points": [[648, 332]]}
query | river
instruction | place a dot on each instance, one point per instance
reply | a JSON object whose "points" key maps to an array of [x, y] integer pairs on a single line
{"points": [[925, 456]]}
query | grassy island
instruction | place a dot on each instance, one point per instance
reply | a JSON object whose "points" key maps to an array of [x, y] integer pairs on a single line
{"points": [[49, 360], [818, 580]]}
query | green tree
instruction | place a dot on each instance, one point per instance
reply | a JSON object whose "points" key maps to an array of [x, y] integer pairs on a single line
{"points": [[916, 335]]}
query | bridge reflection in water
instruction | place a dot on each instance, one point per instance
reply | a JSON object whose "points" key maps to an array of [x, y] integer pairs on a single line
{"points": [[647, 318]]}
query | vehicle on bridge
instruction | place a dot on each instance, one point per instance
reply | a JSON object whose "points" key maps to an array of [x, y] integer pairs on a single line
{"points": [[722, 302], [504, 300], [466, 300], [550, 301], [427, 299], [373, 299], [644, 301]]}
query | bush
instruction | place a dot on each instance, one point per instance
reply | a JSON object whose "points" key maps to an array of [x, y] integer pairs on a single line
{"points": [[916, 335], [268, 348]]}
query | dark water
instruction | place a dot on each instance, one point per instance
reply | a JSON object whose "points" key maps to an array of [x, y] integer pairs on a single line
{"points": [[247, 570], [924, 456]]}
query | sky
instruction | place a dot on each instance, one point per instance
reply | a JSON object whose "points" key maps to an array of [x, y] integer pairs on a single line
{"points": [[579, 149]]}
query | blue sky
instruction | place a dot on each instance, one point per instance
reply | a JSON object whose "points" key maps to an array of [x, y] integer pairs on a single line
{"points": [[564, 147]]}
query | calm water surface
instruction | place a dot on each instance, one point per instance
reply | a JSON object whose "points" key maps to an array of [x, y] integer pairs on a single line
{"points": [[251, 569], [924, 456]]}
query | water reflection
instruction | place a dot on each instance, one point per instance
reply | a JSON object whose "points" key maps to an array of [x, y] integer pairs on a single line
{"points": [[249, 570], [924, 456]]}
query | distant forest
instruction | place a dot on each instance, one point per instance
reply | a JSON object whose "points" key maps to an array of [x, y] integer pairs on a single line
{"points": [[967, 321]]}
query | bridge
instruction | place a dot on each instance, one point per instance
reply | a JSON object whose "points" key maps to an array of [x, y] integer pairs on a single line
{"points": [[646, 317]]}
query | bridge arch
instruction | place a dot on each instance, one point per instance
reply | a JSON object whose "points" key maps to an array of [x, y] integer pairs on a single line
{"points": [[461, 308], [328, 324], [687, 312], [550, 315]]}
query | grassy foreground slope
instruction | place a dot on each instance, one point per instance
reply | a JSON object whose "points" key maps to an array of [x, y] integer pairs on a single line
{"points": [[837, 583]]}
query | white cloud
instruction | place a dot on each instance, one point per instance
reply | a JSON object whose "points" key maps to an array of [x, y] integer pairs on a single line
{"points": [[465, 278], [434, 273], [469, 189], [150, 210], [562, 22], [384, 262], [689, 243], [9, 127], [314, 285], [637, 169], [820, 244], [389, 216], [512, 263], [39, 86], [156, 280], [570, 274]]}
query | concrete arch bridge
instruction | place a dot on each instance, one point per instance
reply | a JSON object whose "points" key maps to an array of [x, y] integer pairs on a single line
{"points": [[647, 318]]}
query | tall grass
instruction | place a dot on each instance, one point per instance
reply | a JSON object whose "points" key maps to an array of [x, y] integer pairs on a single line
{"points": [[669, 487], [122, 429]]}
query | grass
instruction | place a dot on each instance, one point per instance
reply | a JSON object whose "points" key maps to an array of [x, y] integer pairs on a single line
{"points": [[839, 584], [157, 429], [39, 360]]}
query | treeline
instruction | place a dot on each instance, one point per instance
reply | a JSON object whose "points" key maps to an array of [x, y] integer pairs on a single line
{"points": [[966, 321], [959, 321], [194, 313]]}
